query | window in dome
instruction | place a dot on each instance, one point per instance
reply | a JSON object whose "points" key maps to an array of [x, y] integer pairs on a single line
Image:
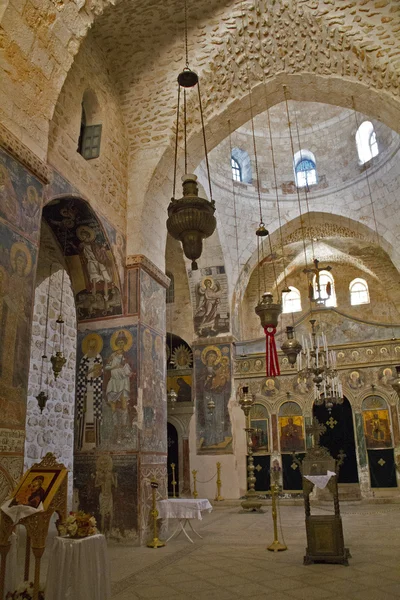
{"points": [[305, 169], [359, 293], [327, 288], [367, 145], [291, 301], [236, 170]]}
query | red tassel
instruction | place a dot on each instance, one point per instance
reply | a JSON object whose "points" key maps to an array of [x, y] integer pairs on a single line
{"points": [[271, 354]]}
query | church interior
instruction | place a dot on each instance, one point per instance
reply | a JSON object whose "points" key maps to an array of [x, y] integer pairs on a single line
{"points": [[199, 290]]}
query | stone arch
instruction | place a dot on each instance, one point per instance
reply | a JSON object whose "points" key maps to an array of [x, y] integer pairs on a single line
{"points": [[89, 256], [323, 224]]}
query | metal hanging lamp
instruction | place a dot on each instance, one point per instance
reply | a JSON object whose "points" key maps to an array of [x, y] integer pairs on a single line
{"points": [[190, 218]]}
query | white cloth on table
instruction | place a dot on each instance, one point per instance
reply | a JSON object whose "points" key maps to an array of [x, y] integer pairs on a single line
{"points": [[321, 481], [79, 569], [183, 508]]}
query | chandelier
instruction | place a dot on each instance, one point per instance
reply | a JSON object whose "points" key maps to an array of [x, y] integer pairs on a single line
{"points": [[190, 218], [320, 366]]}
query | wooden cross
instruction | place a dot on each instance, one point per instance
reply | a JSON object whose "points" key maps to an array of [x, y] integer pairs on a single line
{"points": [[316, 429]]}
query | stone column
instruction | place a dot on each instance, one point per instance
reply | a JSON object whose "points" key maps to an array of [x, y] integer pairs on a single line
{"points": [[361, 449], [186, 491], [146, 294], [21, 185]]}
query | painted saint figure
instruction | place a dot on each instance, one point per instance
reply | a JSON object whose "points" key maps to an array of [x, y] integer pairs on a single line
{"points": [[95, 260], [291, 436], [89, 393], [118, 390], [215, 383], [106, 480], [209, 295]]}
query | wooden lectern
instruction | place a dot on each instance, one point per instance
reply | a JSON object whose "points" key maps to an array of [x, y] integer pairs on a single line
{"points": [[325, 541]]}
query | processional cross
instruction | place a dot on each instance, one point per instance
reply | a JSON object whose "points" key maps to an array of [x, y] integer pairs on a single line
{"points": [[311, 288], [316, 429]]}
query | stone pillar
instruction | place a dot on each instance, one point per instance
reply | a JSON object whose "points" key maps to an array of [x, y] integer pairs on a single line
{"points": [[128, 447], [146, 292], [361, 449], [186, 491], [21, 192]]}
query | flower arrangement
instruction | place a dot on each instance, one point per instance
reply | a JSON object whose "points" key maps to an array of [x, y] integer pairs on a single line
{"points": [[25, 592], [78, 525]]}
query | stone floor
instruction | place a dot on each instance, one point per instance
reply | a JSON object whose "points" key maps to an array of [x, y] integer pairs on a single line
{"points": [[231, 561]]}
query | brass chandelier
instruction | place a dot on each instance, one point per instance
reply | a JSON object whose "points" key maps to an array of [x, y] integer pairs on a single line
{"points": [[190, 218]]}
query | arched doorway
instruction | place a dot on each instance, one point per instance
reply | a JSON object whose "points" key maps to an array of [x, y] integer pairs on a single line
{"points": [[173, 458], [339, 436]]}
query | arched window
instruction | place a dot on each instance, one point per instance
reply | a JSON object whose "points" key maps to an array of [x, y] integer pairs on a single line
{"points": [[236, 170], [326, 284], [359, 293], [305, 169], [170, 295], [367, 145], [241, 166], [291, 301], [90, 133]]}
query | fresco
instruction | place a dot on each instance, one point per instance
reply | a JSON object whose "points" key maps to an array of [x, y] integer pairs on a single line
{"points": [[154, 397], [152, 302], [106, 389], [213, 385], [20, 197], [17, 272], [133, 291], [182, 384], [106, 485], [89, 258], [210, 297]]}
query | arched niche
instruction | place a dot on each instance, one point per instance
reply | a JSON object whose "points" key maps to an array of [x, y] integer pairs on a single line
{"points": [[89, 257]]}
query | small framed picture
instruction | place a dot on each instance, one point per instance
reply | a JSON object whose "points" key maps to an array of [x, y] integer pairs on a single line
{"points": [[38, 485]]}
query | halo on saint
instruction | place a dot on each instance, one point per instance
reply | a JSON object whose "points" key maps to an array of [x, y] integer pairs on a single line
{"points": [[207, 351], [121, 334], [20, 248], [83, 232], [86, 343], [203, 281], [182, 357]]}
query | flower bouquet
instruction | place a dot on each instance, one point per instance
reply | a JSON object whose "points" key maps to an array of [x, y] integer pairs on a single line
{"points": [[25, 592], [78, 525]]}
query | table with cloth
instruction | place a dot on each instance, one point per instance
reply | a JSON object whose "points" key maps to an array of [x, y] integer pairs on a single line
{"points": [[79, 569], [183, 509]]}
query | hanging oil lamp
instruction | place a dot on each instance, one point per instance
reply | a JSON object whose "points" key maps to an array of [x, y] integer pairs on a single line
{"points": [[190, 218], [269, 312], [58, 359], [291, 347], [42, 397]]}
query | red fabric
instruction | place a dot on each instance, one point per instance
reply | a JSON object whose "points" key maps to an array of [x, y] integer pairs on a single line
{"points": [[271, 355]]}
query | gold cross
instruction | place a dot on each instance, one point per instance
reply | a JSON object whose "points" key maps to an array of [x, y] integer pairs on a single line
{"points": [[316, 429], [331, 422], [381, 462]]}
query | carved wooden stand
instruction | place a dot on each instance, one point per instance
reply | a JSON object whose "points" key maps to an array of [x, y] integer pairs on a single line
{"points": [[325, 541], [37, 526]]}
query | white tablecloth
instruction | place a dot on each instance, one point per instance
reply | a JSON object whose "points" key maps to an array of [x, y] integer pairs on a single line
{"points": [[79, 569], [321, 481], [182, 508]]}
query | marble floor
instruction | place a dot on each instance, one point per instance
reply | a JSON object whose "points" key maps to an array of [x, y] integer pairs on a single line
{"points": [[231, 561]]}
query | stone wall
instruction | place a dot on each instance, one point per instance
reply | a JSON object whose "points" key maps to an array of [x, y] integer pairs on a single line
{"points": [[104, 179], [53, 429], [179, 314]]}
